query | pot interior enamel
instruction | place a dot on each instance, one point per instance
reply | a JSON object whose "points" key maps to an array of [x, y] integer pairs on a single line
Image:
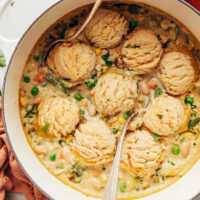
{"points": [[24, 154]]}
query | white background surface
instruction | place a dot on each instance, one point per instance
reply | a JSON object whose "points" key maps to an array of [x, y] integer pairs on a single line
{"points": [[13, 26]]}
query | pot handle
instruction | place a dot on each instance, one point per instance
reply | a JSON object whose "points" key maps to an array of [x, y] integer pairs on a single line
{"points": [[6, 45]]}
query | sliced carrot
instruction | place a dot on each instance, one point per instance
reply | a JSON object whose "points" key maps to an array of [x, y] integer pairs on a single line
{"points": [[40, 77], [96, 173], [62, 155]]}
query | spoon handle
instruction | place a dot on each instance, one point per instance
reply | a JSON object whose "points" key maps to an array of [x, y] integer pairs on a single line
{"points": [[92, 12], [111, 186]]}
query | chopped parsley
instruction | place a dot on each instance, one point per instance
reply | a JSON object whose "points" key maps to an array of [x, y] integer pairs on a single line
{"points": [[2, 60], [107, 118], [136, 46], [36, 58], [103, 168], [128, 45], [193, 106], [170, 162], [159, 116], [132, 26], [105, 57], [94, 76], [165, 45], [157, 92], [72, 133], [134, 9], [109, 63], [31, 110], [81, 113], [91, 84], [60, 143], [193, 122], [156, 137], [45, 127]]}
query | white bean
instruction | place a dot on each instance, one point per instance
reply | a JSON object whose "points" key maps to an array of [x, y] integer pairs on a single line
{"points": [[185, 148], [41, 149], [144, 88], [95, 183], [91, 109]]}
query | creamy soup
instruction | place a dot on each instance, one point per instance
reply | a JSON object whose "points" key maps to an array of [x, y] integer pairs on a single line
{"points": [[130, 58]]}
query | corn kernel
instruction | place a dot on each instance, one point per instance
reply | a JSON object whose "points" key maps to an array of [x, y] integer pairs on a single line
{"points": [[98, 51], [198, 99], [131, 184], [84, 103], [188, 135], [103, 178], [121, 120], [69, 138], [23, 101]]}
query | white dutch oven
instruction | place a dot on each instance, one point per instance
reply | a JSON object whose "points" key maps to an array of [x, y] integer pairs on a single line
{"points": [[185, 188]]}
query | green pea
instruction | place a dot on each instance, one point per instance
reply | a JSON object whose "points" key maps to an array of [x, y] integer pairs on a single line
{"points": [[89, 84], [189, 100], [126, 116], [26, 79], [176, 149], [52, 157], [115, 131], [34, 91], [123, 187], [78, 97]]}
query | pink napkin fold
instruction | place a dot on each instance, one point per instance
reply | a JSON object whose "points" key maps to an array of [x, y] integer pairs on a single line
{"points": [[11, 176]]}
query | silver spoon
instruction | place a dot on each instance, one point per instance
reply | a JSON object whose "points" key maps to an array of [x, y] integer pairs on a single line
{"points": [[92, 12], [110, 192]]}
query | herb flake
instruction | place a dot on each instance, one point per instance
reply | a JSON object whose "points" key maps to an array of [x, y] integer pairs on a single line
{"points": [[82, 113], [2, 60], [157, 92], [193, 122], [45, 127], [156, 137]]}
